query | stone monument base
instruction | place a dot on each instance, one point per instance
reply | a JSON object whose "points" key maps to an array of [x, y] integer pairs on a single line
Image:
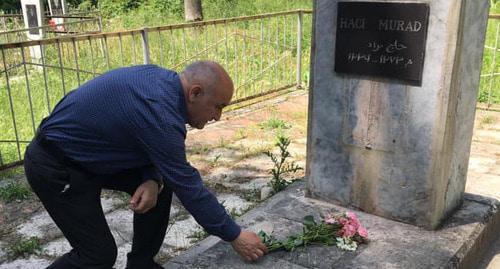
{"points": [[459, 243]]}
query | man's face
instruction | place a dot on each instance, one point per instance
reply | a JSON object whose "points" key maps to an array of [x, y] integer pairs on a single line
{"points": [[206, 106]]}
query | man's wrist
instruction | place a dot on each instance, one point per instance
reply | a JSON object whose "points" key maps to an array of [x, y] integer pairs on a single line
{"points": [[159, 183]]}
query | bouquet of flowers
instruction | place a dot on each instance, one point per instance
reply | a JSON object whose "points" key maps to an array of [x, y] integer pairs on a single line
{"points": [[342, 230]]}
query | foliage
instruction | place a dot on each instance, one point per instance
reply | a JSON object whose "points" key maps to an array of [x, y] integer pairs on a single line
{"points": [[85, 4], [342, 230], [25, 246], [281, 165], [15, 192], [174, 7], [110, 8], [275, 123], [197, 235], [9, 5]]}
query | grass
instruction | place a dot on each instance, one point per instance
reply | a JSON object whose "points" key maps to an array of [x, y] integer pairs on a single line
{"points": [[241, 133], [274, 124], [197, 235], [199, 149], [11, 172], [489, 90], [24, 246], [15, 191]]}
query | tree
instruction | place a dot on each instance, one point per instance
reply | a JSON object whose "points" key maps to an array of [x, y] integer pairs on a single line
{"points": [[9, 5], [193, 10]]}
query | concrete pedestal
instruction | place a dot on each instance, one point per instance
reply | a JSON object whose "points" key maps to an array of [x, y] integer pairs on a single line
{"points": [[386, 146]]}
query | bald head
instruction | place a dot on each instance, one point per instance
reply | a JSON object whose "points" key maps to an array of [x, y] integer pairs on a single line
{"points": [[209, 74], [208, 88]]}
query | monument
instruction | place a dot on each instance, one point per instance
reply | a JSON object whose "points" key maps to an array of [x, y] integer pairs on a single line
{"points": [[392, 104]]}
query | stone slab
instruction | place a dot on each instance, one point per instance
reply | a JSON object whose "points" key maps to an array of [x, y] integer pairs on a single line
{"points": [[458, 243]]}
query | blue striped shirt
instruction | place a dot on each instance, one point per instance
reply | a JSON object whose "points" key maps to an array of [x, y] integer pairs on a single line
{"points": [[136, 117]]}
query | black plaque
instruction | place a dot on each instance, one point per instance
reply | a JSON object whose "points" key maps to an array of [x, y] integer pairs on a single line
{"points": [[382, 39], [32, 19]]}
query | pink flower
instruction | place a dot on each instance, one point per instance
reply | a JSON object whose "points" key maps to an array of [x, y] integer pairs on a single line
{"points": [[342, 220], [352, 216], [348, 230], [330, 220], [363, 232], [353, 219]]}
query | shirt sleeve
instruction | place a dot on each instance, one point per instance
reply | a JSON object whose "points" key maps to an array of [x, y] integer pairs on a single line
{"points": [[166, 149], [149, 172]]}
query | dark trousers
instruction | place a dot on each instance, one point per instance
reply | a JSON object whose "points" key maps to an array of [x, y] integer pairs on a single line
{"points": [[76, 209]]}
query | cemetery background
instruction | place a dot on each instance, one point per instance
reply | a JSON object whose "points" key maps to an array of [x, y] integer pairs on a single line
{"points": [[236, 158]]}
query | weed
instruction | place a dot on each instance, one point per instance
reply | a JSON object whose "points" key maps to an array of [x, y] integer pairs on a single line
{"points": [[215, 161], [275, 124], [122, 196], [15, 191], [199, 149], [241, 133], [281, 165], [198, 235], [223, 143], [24, 247]]}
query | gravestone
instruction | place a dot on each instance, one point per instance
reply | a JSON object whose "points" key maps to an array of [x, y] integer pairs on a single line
{"points": [[392, 104], [34, 16], [58, 7]]}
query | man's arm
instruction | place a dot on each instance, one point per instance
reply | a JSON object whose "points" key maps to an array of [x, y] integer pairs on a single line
{"points": [[166, 150], [186, 183]]}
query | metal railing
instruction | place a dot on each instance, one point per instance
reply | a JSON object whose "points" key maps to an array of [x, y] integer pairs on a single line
{"points": [[489, 89], [73, 24], [264, 54]]}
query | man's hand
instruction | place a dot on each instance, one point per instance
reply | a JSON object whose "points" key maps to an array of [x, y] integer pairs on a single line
{"points": [[249, 246], [145, 197]]}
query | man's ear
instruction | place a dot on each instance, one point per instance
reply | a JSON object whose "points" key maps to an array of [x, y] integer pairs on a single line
{"points": [[195, 92]]}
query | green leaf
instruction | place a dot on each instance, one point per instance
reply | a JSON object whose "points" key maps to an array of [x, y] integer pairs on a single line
{"points": [[309, 221]]}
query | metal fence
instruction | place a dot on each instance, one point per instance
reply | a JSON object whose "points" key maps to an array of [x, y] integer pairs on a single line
{"points": [[489, 91], [73, 24], [264, 54]]}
